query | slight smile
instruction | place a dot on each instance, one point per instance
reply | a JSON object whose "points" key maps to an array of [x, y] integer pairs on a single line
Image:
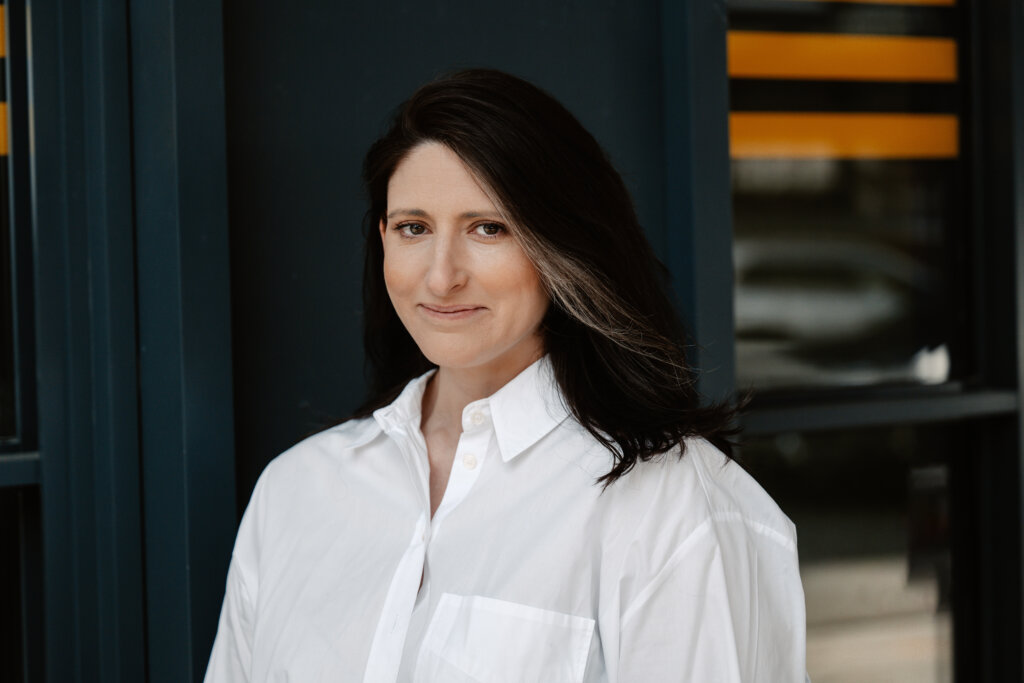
{"points": [[456, 312]]}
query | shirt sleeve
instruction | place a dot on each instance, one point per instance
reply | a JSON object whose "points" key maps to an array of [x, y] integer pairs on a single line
{"points": [[231, 657], [727, 606]]}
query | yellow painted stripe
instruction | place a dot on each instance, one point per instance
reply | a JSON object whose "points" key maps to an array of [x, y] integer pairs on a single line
{"points": [[3, 30], [819, 56], [3, 129], [798, 135], [946, 3]]}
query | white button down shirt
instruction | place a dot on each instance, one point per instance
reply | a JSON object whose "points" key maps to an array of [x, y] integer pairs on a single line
{"points": [[683, 570]]}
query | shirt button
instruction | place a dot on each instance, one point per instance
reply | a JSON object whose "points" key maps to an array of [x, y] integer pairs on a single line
{"points": [[477, 418], [469, 461]]}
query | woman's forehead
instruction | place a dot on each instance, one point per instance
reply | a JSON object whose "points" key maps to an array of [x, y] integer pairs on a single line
{"points": [[432, 178]]}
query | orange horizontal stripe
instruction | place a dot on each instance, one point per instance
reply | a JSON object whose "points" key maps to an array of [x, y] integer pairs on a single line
{"points": [[948, 3], [3, 129], [798, 135], [821, 56]]}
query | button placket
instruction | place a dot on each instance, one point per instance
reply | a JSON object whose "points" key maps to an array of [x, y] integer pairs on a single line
{"points": [[469, 456], [474, 417], [393, 624]]}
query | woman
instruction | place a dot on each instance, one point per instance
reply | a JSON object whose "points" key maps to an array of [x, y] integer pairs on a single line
{"points": [[532, 491]]}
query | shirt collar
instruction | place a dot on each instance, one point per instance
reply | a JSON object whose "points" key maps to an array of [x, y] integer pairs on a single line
{"points": [[526, 409], [407, 408], [522, 412]]}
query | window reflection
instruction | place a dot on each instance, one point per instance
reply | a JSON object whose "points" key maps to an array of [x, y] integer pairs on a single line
{"points": [[848, 210], [842, 272], [873, 521]]}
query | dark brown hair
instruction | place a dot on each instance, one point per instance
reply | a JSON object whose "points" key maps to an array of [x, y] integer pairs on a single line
{"points": [[617, 347]]}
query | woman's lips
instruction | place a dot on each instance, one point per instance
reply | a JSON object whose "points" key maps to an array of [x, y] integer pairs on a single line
{"points": [[452, 312]]}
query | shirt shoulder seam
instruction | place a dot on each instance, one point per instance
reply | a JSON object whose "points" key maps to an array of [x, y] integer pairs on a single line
{"points": [[757, 527], [677, 555], [734, 515]]}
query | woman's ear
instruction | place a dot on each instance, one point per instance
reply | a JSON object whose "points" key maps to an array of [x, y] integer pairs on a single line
{"points": [[383, 227]]}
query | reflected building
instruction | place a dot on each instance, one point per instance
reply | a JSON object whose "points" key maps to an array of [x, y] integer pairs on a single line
{"points": [[850, 229]]}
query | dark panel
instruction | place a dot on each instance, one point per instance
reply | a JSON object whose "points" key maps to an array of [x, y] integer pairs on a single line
{"points": [[754, 94], [48, 214], [31, 554], [85, 310], [994, 137], [308, 88], [699, 214], [114, 468], [19, 469], [994, 644], [8, 410], [184, 327], [20, 215], [11, 616], [996, 140], [841, 17], [820, 413]]}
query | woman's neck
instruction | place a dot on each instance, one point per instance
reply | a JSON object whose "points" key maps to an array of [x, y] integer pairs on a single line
{"points": [[450, 390]]}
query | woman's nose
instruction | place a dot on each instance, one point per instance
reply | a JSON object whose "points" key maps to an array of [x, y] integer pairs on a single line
{"points": [[447, 271]]}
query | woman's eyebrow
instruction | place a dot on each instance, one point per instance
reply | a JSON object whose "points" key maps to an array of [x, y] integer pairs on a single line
{"points": [[420, 213]]}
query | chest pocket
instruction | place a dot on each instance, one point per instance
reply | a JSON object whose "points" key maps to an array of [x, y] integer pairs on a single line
{"points": [[472, 639]]}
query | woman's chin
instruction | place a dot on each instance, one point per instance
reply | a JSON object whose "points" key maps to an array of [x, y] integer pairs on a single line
{"points": [[444, 356], [456, 360]]}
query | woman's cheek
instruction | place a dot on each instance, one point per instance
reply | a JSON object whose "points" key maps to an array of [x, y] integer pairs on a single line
{"points": [[397, 278]]}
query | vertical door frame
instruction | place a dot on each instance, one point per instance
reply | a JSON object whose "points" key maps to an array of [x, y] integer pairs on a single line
{"points": [[132, 334], [185, 387], [698, 202], [83, 287]]}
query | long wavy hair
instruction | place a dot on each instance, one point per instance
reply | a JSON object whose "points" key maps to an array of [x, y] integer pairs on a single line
{"points": [[615, 341]]}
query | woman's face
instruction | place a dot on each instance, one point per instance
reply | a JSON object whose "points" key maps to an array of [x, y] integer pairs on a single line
{"points": [[459, 281]]}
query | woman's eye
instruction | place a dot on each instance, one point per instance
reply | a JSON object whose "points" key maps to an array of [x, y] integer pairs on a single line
{"points": [[411, 229], [489, 229]]}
